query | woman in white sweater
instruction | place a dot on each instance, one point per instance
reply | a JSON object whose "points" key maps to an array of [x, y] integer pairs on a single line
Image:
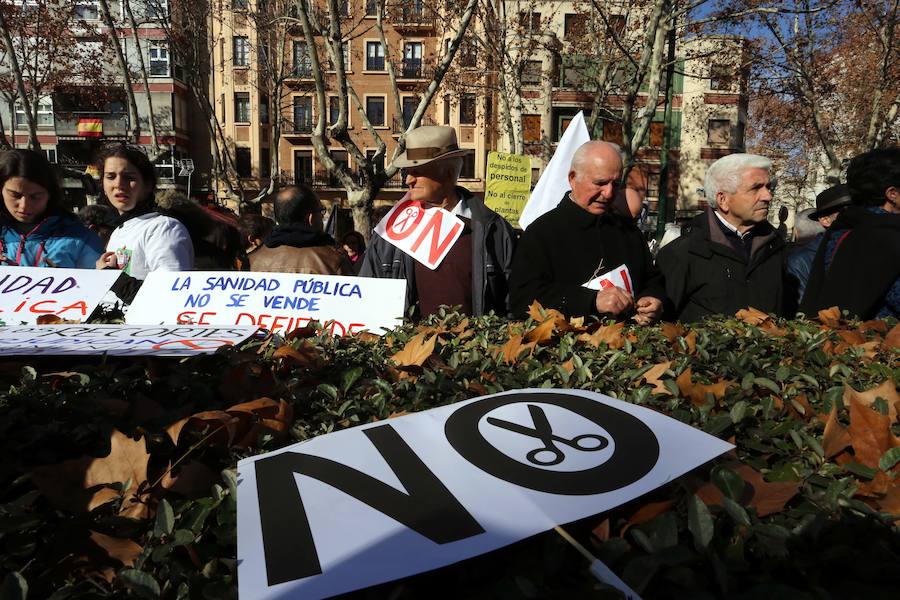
{"points": [[144, 240]]}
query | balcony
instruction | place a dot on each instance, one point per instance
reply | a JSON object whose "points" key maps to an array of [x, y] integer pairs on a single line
{"points": [[412, 69], [413, 17], [320, 181], [92, 125], [400, 125]]}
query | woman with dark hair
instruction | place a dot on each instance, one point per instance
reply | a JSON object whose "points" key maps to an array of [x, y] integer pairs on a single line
{"points": [[144, 240], [35, 229]]}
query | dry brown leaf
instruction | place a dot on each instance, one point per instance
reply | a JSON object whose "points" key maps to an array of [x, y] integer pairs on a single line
{"points": [[123, 550], [416, 351], [766, 497], [511, 350], [192, 479], [853, 338], [886, 390], [870, 433], [697, 391], [691, 341], [610, 334], [477, 388], [830, 317], [653, 377], [671, 331], [804, 415], [877, 486], [394, 415], [836, 437], [218, 424], [535, 312], [367, 337], [542, 333], [752, 316], [305, 356], [174, 430], [890, 503], [873, 325], [647, 513], [259, 416], [569, 366], [601, 531], [892, 339], [79, 485]]}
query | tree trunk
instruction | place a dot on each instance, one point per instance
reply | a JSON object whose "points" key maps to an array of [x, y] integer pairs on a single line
{"points": [[359, 201], [20, 88], [151, 121], [126, 74]]}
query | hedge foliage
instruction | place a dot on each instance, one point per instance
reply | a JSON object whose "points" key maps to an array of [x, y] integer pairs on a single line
{"points": [[118, 475]]}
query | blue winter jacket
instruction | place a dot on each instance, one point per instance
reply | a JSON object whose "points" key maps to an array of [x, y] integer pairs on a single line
{"points": [[56, 241]]}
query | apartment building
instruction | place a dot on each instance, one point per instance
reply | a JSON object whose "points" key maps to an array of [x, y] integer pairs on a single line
{"points": [[243, 86], [708, 99], [76, 117]]}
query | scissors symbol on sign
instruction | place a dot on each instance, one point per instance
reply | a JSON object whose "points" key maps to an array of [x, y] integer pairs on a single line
{"points": [[587, 442], [409, 213]]}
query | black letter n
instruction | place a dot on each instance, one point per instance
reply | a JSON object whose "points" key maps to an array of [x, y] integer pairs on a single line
{"points": [[428, 508]]}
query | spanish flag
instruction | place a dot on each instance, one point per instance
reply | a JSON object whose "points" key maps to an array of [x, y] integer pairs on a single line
{"points": [[90, 127]]}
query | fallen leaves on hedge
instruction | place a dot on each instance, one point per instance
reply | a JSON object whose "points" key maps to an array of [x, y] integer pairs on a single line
{"points": [[697, 392]]}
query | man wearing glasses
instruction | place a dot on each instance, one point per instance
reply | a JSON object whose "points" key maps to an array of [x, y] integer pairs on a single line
{"points": [[298, 243]]}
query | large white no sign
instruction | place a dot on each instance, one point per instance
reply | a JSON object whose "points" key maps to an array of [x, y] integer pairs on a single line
{"points": [[390, 499]]}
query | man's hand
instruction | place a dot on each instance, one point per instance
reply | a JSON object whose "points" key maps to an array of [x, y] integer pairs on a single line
{"points": [[107, 260], [649, 309], [614, 301]]}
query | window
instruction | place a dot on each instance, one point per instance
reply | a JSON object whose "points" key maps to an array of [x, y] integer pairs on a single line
{"points": [[410, 104], [575, 26], [413, 11], [531, 128], [159, 59], [371, 8], [376, 162], [302, 63], [44, 113], [340, 160], [343, 7], [50, 153], [617, 24], [412, 60], [222, 104], [570, 73], [446, 110], [374, 56], [468, 54], [468, 168], [532, 72], [239, 4], [657, 133], [334, 109], [375, 110], [530, 21], [242, 162], [302, 114], [718, 132], [242, 107], [263, 110], [345, 50], [241, 51], [87, 10], [265, 168], [612, 132], [720, 78], [303, 167], [467, 109]]}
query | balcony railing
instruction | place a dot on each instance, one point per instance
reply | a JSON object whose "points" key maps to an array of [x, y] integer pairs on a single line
{"points": [[413, 68], [413, 15], [110, 124], [302, 126], [400, 125], [328, 181]]}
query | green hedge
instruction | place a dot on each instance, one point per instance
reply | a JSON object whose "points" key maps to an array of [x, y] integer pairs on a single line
{"points": [[118, 475]]}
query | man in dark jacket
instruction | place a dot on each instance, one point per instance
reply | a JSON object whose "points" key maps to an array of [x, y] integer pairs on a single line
{"points": [[475, 272], [810, 229], [857, 266], [581, 239], [297, 244], [729, 257]]}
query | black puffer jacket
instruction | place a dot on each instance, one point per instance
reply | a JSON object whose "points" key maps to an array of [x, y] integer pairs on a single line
{"points": [[706, 276]]}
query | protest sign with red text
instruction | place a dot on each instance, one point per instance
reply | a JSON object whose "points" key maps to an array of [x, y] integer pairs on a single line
{"points": [[619, 277], [425, 234], [27, 293], [278, 302]]}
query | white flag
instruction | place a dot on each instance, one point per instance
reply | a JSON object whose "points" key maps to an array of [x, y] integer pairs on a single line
{"points": [[554, 181]]}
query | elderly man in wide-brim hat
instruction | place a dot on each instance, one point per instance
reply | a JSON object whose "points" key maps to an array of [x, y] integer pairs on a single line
{"points": [[475, 272]]}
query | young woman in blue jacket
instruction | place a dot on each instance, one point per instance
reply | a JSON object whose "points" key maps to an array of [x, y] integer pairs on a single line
{"points": [[35, 229]]}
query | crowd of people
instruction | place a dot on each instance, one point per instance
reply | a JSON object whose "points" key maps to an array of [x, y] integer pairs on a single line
{"points": [[846, 252]]}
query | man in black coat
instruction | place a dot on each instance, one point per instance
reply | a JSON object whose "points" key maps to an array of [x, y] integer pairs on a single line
{"points": [[729, 257], [857, 266], [582, 239]]}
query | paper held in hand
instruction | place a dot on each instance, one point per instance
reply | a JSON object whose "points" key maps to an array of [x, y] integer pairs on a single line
{"points": [[619, 277], [425, 234]]}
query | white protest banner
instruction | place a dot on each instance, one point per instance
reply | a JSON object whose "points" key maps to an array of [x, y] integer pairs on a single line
{"points": [[554, 181], [387, 500], [279, 302], [26, 293], [619, 277], [408, 226], [119, 340]]}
